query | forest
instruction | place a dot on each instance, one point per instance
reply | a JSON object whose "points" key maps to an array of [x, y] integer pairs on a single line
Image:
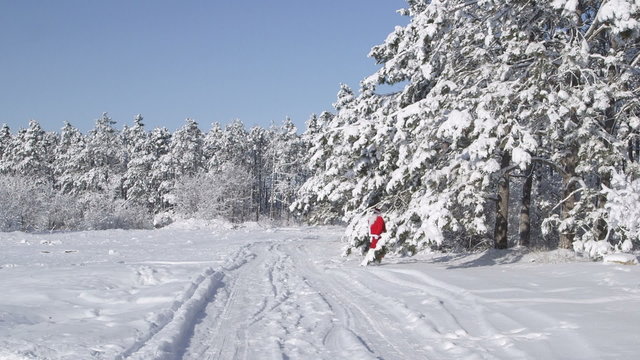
{"points": [[516, 124], [136, 178]]}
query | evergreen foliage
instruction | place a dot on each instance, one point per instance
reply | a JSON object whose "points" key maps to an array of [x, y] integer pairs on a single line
{"points": [[493, 92]]}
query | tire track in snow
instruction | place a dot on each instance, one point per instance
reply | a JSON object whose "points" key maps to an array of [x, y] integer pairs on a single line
{"points": [[361, 328], [273, 301], [227, 328], [500, 328], [216, 333], [170, 330], [439, 324], [461, 324], [269, 309]]}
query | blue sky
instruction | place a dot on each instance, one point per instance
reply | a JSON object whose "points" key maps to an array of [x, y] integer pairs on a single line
{"points": [[214, 61]]}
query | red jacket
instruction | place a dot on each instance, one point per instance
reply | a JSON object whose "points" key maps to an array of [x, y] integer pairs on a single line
{"points": [[376, 228]]}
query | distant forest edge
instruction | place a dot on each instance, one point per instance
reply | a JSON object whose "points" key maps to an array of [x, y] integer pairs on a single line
{"points": [[517, 124], [121, 179]]}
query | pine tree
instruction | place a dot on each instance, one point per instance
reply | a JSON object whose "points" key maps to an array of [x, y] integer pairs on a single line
{"points": [[5, 142], [102, 158], [68, 164], [29, 154], [161, 174], [311, 201], [234, 145], [136, 181], [185, 158], [213, 147]]}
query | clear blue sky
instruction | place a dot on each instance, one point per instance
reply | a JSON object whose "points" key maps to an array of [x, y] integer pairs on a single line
{"points": [[211, 60]]}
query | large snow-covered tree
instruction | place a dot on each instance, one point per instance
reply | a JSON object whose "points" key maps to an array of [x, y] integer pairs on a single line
{"points": [[490, 89]]}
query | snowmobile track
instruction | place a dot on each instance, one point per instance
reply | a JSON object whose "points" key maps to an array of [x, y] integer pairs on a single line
{"points": [[271, 300]]}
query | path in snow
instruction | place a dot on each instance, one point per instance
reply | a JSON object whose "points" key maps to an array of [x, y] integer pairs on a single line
{"points": [[274, 302]]}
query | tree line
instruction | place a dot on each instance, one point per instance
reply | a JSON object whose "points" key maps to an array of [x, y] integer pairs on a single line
{"points": [[110, 178]]}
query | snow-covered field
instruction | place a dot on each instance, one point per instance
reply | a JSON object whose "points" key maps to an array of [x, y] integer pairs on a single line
{"points": [[212, 292]]}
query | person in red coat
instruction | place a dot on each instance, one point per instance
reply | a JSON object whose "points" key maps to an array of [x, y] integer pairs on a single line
{"points": [[376, 228]]}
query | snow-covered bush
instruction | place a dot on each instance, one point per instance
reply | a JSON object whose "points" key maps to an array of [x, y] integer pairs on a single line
{"points": [[599, 249], [163, 219], [63, 212], [623, 216], [23, 204], [26, 205], [101, 212], [225, 194], [623, 206], [623, 212]]}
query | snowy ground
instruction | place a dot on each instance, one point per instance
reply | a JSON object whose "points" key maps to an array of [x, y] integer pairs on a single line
{"points": [[200, 292]]}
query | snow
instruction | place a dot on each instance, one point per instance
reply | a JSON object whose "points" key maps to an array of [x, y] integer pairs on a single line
{"points": [[521, 157], [457, 122], [196, 290], [622, 13]]}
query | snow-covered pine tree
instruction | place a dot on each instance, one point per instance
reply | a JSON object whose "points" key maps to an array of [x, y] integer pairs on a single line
{"points": [[313, 202], [68, 164], [161, 175], [5, 142], [421, 128], [136, 182], [184, 159], [186, 149], [341, 154], [213, 147], [102, 158], [235, 147], [27, 179], [30, 154], [594, 111]]}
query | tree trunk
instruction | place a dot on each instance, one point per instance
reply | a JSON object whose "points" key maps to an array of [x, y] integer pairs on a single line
{"points": [[502, 208], [525, 210], [602, 228], [567, 234], [256, 203]]}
